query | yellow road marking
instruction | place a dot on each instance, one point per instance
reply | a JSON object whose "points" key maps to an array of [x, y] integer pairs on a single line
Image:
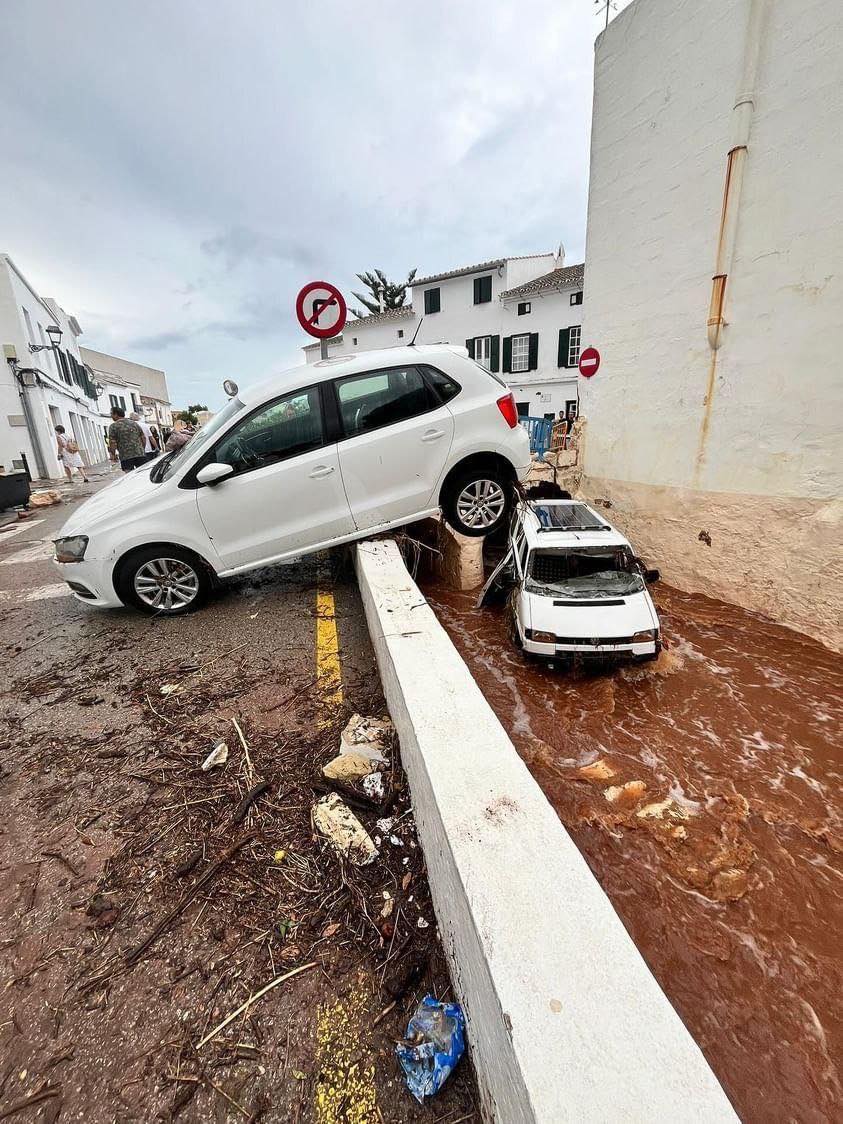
{"points": [[328, 670]]}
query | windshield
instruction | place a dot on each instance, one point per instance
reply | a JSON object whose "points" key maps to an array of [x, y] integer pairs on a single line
{"points": [[585, 573], [172, 461]]}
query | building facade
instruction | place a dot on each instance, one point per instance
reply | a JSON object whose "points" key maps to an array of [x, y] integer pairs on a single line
{"points": [[715, 297], [520, 317], [132, 387], [42, 389]]}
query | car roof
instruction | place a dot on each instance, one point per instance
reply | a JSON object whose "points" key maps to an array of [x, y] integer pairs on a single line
{"points": [[540, 518], [338, 365]]}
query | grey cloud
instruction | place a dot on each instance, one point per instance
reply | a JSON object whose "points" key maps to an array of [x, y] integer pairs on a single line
{"points": [[258, 317], [239, 245]]}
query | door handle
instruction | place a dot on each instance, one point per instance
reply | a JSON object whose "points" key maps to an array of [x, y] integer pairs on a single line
{"points": [[433, 435], [321, 470]]}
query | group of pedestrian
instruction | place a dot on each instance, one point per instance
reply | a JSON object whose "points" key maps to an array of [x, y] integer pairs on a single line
{"points": [[131, 441]]}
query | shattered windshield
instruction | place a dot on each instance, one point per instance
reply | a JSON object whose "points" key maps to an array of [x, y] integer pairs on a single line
{"points": [[583, 573]]}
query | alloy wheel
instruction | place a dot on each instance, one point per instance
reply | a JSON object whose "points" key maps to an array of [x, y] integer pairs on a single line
{"points": [[481, 503], [168, 584]]}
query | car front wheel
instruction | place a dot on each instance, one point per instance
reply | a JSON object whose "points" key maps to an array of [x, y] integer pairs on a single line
{"points": [[163, 581], [476, 502]]}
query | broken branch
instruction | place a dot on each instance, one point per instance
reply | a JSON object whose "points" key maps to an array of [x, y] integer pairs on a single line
{"points": [[253, 999]]}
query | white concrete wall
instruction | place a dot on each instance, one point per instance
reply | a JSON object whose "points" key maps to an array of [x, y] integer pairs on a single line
{"points": [[145, 381], [565, 1021], [667, 73], [55, 401]]}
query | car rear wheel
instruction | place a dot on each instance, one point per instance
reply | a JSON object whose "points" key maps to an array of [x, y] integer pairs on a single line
{"points": [[477, 502], [163, 581]]}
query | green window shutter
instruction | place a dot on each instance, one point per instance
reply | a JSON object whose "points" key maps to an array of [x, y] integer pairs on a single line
{"points": [[470, 345], [507, 355], [564, 336], [533, 352], [495, 363]]}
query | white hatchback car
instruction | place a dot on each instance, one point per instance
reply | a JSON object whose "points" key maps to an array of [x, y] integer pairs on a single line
{"points": [[578, 589], [309, 459]]}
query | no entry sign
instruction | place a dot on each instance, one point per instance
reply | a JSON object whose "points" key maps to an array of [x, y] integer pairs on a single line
{"points": [[589, 362], [320, 308]]}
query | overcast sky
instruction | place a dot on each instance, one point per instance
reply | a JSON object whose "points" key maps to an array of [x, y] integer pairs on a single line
{"points": [[175, 170]]}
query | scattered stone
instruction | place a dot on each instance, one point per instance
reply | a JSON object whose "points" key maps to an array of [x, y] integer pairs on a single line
{"points": [[45, 498], [658, 810], [632, 790], [217, 756], [348, 767], [599, 770], [729, 885], [332, 819], [370, 737]]}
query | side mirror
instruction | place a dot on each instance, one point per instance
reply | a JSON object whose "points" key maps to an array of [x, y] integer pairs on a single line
{"points": [[213, 473], [651, 576]]}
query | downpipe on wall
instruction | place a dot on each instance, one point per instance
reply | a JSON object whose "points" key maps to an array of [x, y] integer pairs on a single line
{"points": [[742, 114]]}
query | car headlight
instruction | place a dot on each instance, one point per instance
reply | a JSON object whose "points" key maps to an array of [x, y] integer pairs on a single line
{"points": [[541, 637], [71, 549], [646, 636]]}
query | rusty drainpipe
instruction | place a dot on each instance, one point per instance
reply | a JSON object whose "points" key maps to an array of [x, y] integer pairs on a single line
{"points": [[729, 212]]}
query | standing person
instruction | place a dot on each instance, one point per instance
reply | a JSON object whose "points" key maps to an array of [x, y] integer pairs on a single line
{"points": [[125, 441], [151, 447], [68, 453]]}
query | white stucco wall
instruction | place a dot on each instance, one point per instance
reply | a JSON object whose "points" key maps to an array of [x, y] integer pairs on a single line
{"points": [[667, 73]]}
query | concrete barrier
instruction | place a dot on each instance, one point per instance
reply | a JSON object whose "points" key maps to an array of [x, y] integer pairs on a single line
{"points": [[565, 1020]]}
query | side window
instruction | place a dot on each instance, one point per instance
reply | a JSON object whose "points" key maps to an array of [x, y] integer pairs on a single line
{"points": [[444, 385], [286, 427], [382, 398]]}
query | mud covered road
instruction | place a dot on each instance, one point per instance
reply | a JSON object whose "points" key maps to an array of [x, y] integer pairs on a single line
{"points": [[704, 793]]}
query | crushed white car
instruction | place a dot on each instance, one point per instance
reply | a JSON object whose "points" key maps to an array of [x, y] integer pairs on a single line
{"points": [[577, 590]]}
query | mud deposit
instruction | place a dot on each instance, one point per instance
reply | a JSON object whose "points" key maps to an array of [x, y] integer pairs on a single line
{"points": [[702, 790]]}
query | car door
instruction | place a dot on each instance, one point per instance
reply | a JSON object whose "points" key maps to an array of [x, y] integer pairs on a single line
{"points": [[286, 494], [394, 443]]}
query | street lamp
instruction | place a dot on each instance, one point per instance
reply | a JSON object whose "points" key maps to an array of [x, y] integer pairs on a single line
{"points": [[54, 332]]}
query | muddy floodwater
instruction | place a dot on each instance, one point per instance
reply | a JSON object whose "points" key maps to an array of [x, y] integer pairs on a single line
{"points": [[703, 790]]}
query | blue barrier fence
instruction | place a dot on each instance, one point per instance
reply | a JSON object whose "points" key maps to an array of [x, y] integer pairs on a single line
{"points": [[539, 430]]}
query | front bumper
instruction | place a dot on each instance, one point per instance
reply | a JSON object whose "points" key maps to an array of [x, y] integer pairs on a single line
{"points": [[94, 578], [586, 650]]}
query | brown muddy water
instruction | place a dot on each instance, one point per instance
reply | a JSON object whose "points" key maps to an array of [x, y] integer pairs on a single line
{"points": [[722, 857]]}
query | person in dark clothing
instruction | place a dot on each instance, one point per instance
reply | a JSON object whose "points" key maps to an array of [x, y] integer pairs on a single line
{"points": [[126, 441]]}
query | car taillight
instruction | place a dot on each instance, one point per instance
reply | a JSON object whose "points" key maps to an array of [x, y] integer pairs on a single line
{"points": [[507, 407]]}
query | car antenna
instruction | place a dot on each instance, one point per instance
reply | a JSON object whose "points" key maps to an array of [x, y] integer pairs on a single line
{"points": [[412, 342]]}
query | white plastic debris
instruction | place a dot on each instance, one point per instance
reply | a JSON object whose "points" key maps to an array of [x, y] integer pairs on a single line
{"points": [[422, 924], [385, 825], [169, 688], [395, 841], [332, 819], [372, 784], [367, 735], [217, 756]]}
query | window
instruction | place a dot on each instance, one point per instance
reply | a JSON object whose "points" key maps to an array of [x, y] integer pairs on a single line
{"points": [[523, 409], [520, 353], [432, 301], [576, 298], [574, 345], [381, 398], [28, 322], [524, 308], [112, 398], [286, 427], [482, 289], [400, 333], [571, 409], [354, 340], [483, 351], [444, 385]]}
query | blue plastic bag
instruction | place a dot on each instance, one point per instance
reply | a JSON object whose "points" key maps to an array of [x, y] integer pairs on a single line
{"points": [[434, 1043]]}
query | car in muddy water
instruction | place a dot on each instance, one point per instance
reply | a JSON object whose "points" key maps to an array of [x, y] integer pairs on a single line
{"points": [[577, 591], [310, 459]]}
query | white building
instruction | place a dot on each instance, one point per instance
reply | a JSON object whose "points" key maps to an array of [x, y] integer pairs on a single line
{"points": [[519, 316], [131, 386], [42, 389], [715, 296]]}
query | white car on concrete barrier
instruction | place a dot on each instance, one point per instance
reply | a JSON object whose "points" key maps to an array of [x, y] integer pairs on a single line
{"points": [[309, 459], [578, 591]]}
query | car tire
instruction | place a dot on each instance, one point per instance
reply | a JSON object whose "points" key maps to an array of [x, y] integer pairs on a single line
{"points": [[477, 502], [163, 581]]}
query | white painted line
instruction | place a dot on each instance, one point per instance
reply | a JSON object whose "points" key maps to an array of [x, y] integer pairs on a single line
{"points": [[41, 593], [565, 1020], [22, 526], [38, 552]]}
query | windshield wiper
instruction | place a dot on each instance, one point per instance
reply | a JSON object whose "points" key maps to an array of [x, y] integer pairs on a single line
{"points": [[156, 473]]}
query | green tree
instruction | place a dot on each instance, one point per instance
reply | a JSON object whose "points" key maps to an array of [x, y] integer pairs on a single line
{"points": [[383, 293], [189, 415]]}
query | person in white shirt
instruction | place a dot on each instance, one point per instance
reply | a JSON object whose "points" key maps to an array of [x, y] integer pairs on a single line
{"points": [[151, 446]]}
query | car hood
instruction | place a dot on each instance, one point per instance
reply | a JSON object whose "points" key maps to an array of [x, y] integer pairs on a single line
{"points": [[621, 616], [127, 491]]}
